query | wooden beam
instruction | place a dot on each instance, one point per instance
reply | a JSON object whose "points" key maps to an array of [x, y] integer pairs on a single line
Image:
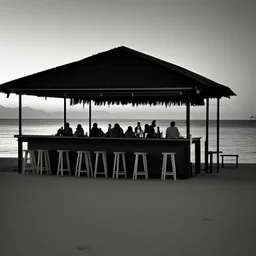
{"points": [[102, 89], [207, 135], [20, 133]]}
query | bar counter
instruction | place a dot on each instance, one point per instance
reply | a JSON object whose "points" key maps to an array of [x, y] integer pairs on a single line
{"points": [[154, 147]]}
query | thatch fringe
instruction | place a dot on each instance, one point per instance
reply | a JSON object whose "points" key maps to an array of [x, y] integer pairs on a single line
{"points": [[141, 102]]}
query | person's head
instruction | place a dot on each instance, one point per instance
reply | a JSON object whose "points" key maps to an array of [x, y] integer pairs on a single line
{"points": [[67, 125], [116, 126], [138, 123], [154, 123], [95, 125], [79, 126], [172, 124], [109, 126], [129, 129]]}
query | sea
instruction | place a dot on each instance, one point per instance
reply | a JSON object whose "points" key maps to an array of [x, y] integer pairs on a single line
{"points": [[236, 136]]}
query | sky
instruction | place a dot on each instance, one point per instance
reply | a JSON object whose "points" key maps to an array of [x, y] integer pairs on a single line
{"points": [[214, 38]]}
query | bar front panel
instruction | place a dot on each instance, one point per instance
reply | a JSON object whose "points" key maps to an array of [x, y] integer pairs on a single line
{"points": [[154, 148]]}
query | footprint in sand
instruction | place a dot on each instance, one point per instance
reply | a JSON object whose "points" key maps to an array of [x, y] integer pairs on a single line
{"points": [[82, 248]]}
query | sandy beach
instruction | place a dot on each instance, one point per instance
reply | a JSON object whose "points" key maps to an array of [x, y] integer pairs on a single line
{"points": [[8, 164], [211, 214]]}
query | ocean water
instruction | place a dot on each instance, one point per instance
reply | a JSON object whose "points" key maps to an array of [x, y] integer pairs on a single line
{"points": [[236, 136]]}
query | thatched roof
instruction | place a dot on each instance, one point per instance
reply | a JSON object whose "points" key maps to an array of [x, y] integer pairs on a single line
{"points": [[120, 76]]}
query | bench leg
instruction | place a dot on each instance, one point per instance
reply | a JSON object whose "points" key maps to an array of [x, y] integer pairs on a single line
{"points": [[210, 162], [222, 163], [236, 161]]}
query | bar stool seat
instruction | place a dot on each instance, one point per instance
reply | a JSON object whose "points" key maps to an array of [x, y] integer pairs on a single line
{"points": [[103, 154], [136, 163], [61, 168], [164, 166], [116, 169], [43, 162], [88, 163], [29, 161]]}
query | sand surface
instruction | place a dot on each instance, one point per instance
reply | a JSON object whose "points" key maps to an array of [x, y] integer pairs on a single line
{"points": [[212, 214], [8, 163]]}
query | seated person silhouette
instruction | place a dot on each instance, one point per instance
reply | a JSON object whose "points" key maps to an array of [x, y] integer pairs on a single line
{"points": [[138, 130], [79, 131], [145, 133], [59, 132], [95, 131], [67, 130], [117, 131], [151, 130], [172, 132], [129, 133], [107, 134]]}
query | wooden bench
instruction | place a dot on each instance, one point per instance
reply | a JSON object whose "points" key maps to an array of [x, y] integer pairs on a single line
{"points": [[223, 155]]}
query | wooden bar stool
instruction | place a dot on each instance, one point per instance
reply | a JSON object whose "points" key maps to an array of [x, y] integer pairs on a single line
{"points": [[164, 166], [61, 168], [116, 169], [29, 161], [43, 161], [136, 163], [104, 160], [88, 163]]}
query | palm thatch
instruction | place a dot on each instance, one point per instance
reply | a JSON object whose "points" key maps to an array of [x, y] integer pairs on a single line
{"points": [[120, 76]]}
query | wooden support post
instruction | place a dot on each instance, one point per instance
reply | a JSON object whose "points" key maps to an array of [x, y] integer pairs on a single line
{"points": [[90, 117], [189, 167], [65, 110], [218, 133], [207, 135], [20, 133], [188, 117]]}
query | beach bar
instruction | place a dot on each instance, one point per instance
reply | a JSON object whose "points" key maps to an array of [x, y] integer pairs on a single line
{"points": [[123, 76], [154, 148]]}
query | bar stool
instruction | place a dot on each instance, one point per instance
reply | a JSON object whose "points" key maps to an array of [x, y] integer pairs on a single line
{"points": [[104, 160], [116, 170], [61, 168], [29, 161], [145, 165], [164, 166], [88, 163], [43, 161]]}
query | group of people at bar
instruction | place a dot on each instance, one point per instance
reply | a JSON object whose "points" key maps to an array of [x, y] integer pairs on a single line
{"points": [[172, 132], [68, 131]]}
